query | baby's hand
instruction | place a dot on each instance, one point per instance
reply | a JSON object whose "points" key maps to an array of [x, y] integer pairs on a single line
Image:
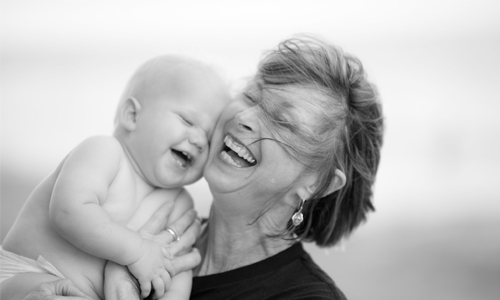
{"points": [[150, 270]]}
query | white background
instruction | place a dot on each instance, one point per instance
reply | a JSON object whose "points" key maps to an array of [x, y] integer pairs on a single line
{"points": [[436, 231]]}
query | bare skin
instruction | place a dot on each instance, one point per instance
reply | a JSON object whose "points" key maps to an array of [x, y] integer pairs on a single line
{"points": [[89, 209], [84, 269]]}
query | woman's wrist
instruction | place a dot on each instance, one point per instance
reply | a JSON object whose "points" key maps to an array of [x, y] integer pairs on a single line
{"points": [[119, 283]]}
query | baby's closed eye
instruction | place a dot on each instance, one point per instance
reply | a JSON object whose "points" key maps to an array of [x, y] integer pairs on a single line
{"points": [[186, 120]]}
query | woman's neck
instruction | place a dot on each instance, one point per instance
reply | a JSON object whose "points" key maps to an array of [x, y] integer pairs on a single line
{"points": [[231, 242]]}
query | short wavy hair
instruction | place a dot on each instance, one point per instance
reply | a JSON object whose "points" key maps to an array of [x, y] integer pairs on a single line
{"points": [[347, 132]]}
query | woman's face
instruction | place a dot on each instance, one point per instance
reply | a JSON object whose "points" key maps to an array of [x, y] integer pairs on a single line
{"points": [[246, 161]]}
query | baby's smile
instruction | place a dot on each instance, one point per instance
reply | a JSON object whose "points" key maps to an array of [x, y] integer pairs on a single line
{"points": [[182, 158]]}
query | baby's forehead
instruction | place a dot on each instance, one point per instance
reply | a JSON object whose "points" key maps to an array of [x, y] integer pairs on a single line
{"points": [[180, 81]]}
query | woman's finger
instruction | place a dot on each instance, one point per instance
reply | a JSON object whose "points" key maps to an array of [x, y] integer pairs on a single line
{"points": [[188, 239], [177, 228], [166, 238], [184, 262], [159, 219]]}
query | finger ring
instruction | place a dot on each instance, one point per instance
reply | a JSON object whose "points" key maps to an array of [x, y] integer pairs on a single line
{"points": [[173, 233]]}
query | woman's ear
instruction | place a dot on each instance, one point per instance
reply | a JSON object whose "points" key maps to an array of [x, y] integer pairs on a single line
{"points": [[128, 113], [338, 182]]}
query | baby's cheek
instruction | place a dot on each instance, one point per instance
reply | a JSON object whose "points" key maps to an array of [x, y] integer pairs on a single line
{"points": [[203, 158]]}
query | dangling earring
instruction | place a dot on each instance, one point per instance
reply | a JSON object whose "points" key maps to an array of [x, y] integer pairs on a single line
{"points": [[297, 217]]}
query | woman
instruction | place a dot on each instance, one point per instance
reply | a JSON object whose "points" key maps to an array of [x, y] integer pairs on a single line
{"points": [[292, 159]]}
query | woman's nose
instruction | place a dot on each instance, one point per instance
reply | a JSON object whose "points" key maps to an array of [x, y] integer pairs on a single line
{"points": [[247, 119], [198, 138]]}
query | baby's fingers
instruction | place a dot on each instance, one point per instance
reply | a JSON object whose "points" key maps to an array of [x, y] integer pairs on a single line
{"points": [[159, 287], [145, 289]]}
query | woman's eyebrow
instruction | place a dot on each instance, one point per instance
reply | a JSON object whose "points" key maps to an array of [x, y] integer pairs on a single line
{"points": [[260, 86], [282, 114]]}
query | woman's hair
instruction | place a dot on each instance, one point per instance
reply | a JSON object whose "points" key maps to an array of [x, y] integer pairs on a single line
{"points": [[345, 132]]}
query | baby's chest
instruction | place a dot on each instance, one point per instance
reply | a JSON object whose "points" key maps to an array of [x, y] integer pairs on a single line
{"points": [[123, 199]]}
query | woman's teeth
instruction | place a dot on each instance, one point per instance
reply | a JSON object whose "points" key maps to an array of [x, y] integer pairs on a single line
{"points": [[229, 159], [240, 150]]}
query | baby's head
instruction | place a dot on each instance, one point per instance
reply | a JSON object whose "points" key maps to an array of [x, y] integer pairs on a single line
{"points": [[166, 117]]}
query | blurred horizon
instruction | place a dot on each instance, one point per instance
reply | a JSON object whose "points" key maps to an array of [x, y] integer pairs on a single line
{"points": [[436, 229]]}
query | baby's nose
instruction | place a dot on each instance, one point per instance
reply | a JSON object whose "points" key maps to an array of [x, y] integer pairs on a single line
{"points": [[199, 139]]}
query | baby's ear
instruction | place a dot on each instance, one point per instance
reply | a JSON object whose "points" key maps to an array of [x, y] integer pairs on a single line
{"points": [[127, 113]]}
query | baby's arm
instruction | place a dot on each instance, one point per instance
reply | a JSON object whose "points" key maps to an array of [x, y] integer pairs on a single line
{"points": [[180, 288], [76, 213]]}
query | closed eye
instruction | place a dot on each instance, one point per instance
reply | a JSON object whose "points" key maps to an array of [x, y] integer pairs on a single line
{"points": [[186, 120], [249, 98]]}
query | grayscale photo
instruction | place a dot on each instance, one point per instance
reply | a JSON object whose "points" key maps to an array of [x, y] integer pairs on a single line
{"points": [[180, 150]]}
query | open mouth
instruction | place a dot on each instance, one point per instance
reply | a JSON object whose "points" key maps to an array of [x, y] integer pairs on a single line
{"points": [[236, 154], [182, 158]]}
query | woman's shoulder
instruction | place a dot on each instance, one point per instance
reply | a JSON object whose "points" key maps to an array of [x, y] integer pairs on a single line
{"points": [[308, 280], [290, 274]]}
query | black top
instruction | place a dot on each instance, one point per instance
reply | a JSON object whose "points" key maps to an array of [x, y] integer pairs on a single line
{"points": [[290, 274]]}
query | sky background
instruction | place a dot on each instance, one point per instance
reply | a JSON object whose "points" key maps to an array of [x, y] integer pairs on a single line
{"points": [[436, 231]]}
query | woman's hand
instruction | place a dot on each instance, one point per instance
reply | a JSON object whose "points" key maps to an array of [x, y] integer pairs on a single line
{"points": [[179, 255], [63, 289]]}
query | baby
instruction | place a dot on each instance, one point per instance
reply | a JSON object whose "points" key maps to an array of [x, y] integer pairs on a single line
{"points": [[88, 210]]}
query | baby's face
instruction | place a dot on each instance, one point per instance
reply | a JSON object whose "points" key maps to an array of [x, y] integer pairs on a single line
{"points": [[173, 134]]}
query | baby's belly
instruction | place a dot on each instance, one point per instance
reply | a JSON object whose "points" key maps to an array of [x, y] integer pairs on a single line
{"points": [[39, 238], [86, 271]]}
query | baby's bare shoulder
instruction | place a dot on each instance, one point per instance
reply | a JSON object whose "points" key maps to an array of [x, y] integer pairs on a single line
{"points": [[97, 155], [101, 142], [98, 148]]}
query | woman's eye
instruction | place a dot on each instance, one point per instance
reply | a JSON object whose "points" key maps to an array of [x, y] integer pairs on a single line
{"points": [[249, 98]]}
